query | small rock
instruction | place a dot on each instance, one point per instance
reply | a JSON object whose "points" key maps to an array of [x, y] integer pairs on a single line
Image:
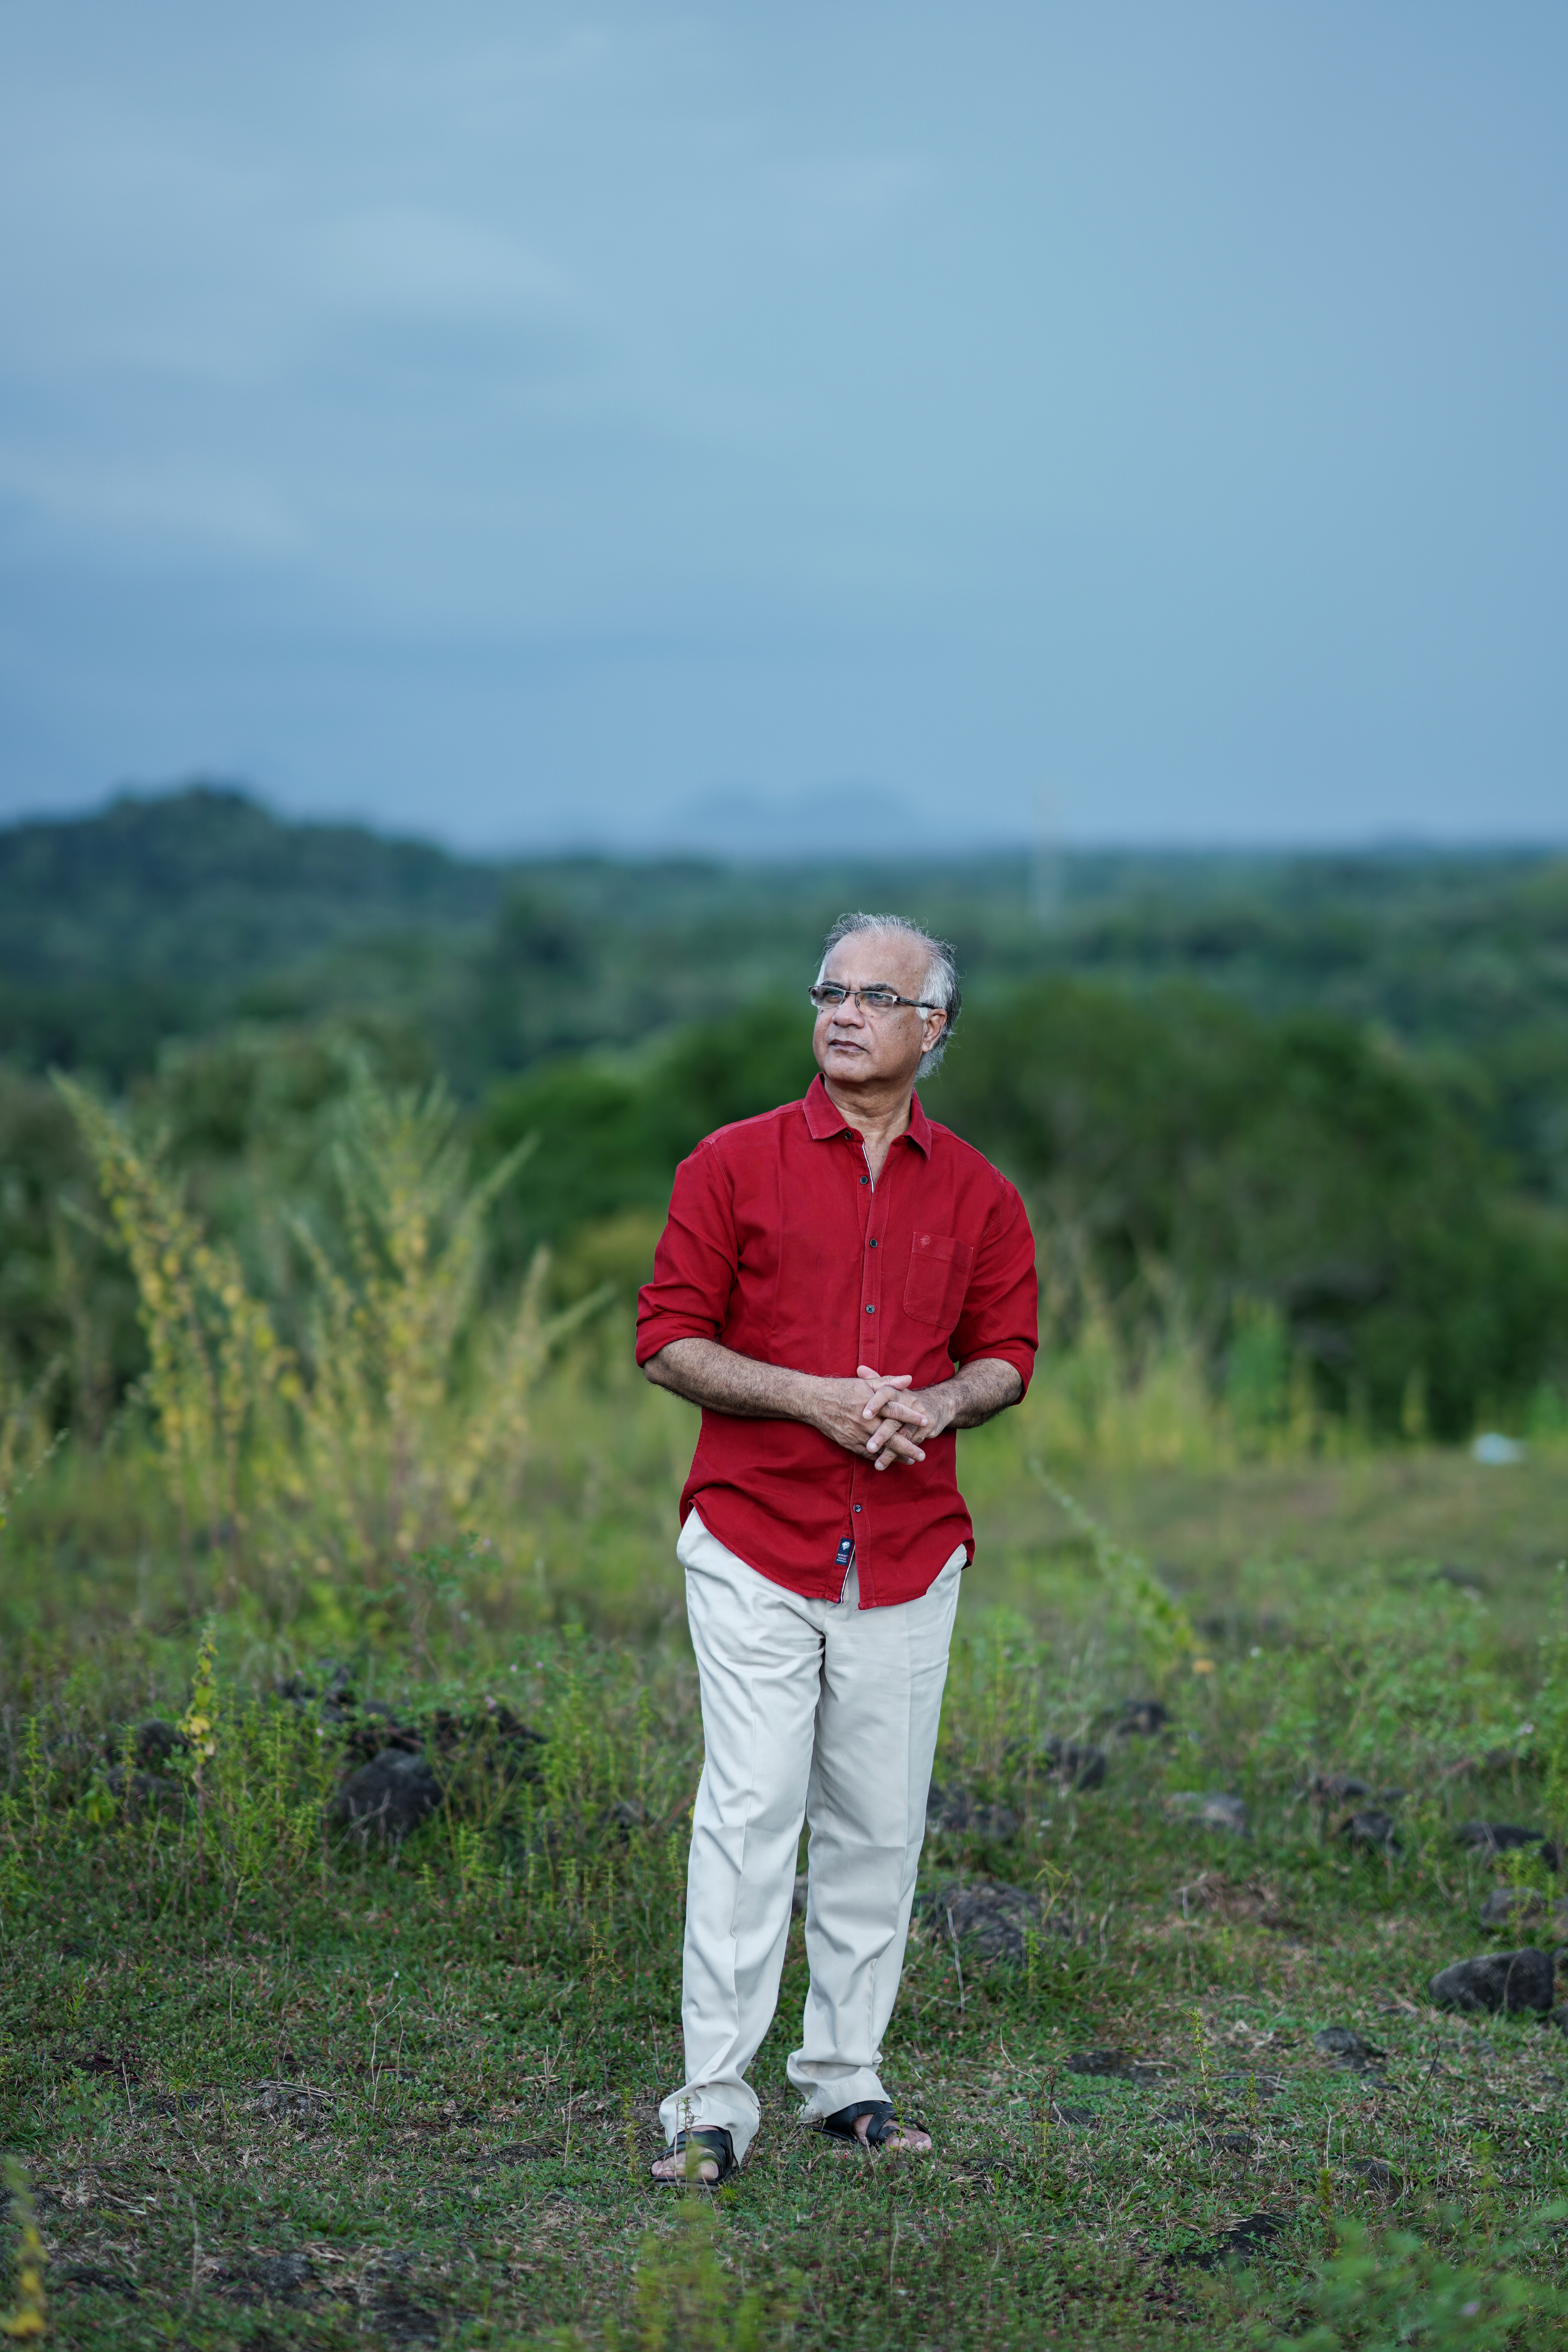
{"points": [[1240, 2244], [1519, 1906], [1246, 2236], [1351, 2053], [289, 2098], [1373, 1830], [85, 2279], [1116, 2063], [276, 2278], [954, 1812], [157, 1742], [120, 2063], [486, 1736], [1348, 1789], [284, 2275], [1496, 1837], [1508, 1982], [366, 1741], [1379, 2176], [1338, 1787], [1212, 1809], [496, 2159], [992, 1917], [1076, 2118], [1099, 2062], [146, 1791], [1342, 2042], [1077, 1766], [485, 1727], [1141, 1718], [388, 1798], [334, 1685], [405, 2321]]}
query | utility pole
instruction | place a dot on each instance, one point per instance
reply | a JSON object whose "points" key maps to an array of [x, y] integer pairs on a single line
{"points": [[1045, 860]]}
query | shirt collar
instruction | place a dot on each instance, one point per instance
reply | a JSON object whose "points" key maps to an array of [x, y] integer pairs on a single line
{"points": [[824, 1119]]}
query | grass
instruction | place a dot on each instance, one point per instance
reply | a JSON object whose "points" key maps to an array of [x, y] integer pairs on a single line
{"points": [[308, 2091], [263, 2081], [1238, 1542]]}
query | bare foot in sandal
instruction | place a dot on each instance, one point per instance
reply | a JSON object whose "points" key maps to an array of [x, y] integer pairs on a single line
{"points": [[704, 2157], [874, 2126], [903, 2139]]}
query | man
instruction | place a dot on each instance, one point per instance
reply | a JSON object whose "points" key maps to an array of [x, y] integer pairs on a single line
{"points": [[823, 1269]]}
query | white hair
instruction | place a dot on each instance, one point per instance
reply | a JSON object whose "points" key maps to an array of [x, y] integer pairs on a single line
{"points": [[938, 989]]}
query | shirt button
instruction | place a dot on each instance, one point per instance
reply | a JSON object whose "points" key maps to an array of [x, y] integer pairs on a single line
{"points": [[873, 1245], [870, 1310], [856, 1507]]}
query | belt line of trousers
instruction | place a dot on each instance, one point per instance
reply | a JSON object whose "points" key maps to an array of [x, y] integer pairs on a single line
{"points": [[813, 1710]]}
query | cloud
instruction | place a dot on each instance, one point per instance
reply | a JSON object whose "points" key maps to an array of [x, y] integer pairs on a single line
{"points": [[413, 262], [496, 415]]}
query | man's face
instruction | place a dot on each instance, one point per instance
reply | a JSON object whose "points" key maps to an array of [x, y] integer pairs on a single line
{"points": [[860, 1048]]}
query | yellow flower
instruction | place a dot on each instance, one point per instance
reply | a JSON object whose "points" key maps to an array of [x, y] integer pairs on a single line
{"points": [[1202, 1665]]}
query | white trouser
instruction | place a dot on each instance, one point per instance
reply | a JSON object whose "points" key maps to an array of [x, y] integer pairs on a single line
{"points": [[813, 1709]]}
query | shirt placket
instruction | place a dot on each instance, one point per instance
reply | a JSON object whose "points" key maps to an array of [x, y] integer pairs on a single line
{"points": [[873, 1253]]}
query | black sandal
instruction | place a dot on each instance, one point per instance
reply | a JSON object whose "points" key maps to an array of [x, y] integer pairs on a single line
{"points": [[715, 2142], [884, 2126]]}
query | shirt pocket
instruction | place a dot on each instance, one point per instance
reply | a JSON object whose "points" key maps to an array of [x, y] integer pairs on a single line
{"points": [[940, 1267]]}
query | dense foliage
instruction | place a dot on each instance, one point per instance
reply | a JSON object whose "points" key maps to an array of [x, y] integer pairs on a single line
{"points": [[168, 917], [1335, 1092], [1296, 1160]]}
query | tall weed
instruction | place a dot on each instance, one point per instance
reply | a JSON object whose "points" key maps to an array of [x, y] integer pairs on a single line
{"points": [[1380, 2291], [1160, 1391], [402, 1418]]}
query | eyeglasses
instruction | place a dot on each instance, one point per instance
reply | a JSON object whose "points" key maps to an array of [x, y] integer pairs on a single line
{"points": [[827, 996]]}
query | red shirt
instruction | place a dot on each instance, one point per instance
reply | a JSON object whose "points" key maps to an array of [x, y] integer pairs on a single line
{"points": [[779, 1245]]}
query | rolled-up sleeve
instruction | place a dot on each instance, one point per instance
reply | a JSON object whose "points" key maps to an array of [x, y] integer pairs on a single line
{"points": [[694, 1266], [1000, 1315]]}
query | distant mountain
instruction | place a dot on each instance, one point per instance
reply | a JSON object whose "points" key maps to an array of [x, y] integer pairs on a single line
{"points": [[166, 882], [156, 915], [162, 919]]}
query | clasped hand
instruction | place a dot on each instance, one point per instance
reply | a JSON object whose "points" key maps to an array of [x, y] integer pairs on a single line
{"points": [[872, 1414]]}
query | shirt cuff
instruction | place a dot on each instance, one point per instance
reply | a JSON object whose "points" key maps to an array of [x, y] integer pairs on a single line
{"points": [[1016, 1352], [660, 1330]]}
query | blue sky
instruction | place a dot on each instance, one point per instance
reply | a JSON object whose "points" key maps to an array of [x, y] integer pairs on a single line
{"points": [[750, 427]]}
